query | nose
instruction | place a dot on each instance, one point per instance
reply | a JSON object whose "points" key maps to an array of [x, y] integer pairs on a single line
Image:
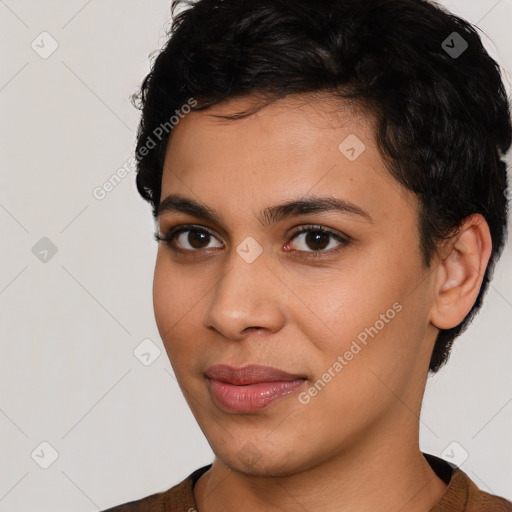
{"points": [[248, 296]]}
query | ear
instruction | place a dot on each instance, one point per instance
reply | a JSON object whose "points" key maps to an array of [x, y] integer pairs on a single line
{"points": [[463, 261]]}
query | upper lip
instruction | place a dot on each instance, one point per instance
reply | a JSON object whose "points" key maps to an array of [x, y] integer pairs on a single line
{"points": [[250, 374]]}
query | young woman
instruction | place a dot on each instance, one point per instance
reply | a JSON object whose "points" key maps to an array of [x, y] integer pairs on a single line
{"points": [[330, 195]]}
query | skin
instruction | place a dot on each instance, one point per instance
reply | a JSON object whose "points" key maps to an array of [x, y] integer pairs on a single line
{"points": [[354, 446]]}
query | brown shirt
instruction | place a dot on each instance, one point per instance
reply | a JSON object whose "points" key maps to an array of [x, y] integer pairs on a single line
{"points": [[461, 495]]}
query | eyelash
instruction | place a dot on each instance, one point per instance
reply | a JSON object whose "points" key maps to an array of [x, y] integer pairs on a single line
{"points": [[169, 236]]}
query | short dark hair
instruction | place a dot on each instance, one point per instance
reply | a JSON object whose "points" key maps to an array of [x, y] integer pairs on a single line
{"points": [[442, 114]]}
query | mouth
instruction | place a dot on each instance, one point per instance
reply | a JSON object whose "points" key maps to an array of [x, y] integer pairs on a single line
{"points": [[250, 388]]}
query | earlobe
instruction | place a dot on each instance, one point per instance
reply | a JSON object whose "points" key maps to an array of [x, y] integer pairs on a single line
{"points": [[460, 272]]}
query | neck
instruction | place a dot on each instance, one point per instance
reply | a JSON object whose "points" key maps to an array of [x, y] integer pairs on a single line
{"points": [[387, 474]]}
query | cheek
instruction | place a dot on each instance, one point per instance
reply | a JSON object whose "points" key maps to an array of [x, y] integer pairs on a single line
{"points": [[341, 305], [382, 350], [180, 298], [366, 315], [164, 294], [174, 302]]}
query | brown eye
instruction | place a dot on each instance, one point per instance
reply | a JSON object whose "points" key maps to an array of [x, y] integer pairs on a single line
{"points": [[318, 239], [188, 239], [194, 239]]}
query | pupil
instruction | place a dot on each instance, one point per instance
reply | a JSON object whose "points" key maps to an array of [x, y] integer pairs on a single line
{"points": [[196, 237], [315, 237]]}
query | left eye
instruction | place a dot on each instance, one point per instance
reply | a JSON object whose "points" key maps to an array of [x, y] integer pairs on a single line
{"points": [[318, 239]]}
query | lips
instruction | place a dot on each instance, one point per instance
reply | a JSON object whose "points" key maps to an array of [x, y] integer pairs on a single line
{"points": [[251, 374], [251, 388]]}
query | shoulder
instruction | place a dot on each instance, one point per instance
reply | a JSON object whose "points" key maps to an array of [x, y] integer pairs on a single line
{"points": [[478, 500], [180, 497], [462, 494]]}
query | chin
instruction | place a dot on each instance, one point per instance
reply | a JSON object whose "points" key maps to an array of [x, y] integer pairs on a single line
{"points": [[260, 460]]}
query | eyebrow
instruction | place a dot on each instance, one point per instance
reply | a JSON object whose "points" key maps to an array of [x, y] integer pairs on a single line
{"points": [[270, 215]]}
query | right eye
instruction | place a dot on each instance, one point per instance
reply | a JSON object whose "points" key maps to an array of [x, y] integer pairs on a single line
{"points": [[196, 237]]}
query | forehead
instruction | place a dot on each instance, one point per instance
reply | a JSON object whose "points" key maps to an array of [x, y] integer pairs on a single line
{"points": [[293, 147], [295, 123]]}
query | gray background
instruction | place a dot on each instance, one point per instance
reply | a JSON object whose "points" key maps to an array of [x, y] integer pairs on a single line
{"points": [[118, 424]]}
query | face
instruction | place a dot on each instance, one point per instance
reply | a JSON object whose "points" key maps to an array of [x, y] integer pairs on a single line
{"points": [[335, 293]]}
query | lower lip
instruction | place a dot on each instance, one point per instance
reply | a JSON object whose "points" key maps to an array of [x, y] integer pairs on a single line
{"points": [[251, 397]]}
